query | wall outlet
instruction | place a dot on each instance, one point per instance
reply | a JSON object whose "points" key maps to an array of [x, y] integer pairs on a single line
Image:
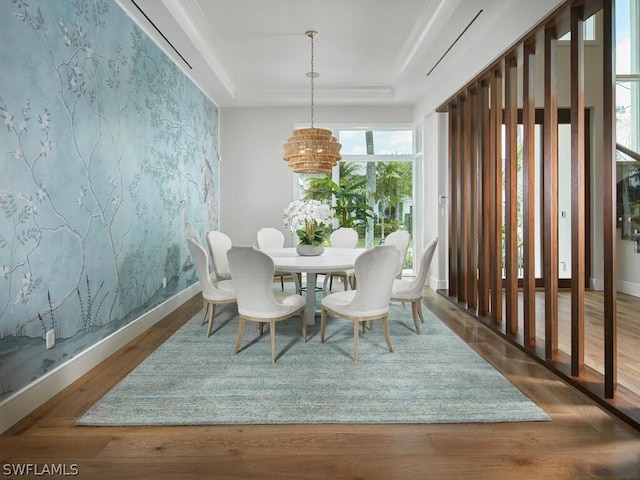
{"points": [[164, 282], [51, 339]]}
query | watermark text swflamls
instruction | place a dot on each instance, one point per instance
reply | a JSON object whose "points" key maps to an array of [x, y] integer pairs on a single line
{"points": [[40, 470]]}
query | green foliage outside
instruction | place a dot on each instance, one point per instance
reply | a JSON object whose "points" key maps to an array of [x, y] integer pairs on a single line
{"points": [[393, 185], [360, 205]]}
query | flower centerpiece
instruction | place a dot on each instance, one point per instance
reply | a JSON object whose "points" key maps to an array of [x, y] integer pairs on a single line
{"points": [[308, 219]]}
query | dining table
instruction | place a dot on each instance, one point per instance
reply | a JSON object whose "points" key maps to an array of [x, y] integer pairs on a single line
{"points": [[330, 261]]}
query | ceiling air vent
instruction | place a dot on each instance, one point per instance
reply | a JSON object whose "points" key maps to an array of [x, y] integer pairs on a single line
{"points": [[162, 34], [455, 41]]}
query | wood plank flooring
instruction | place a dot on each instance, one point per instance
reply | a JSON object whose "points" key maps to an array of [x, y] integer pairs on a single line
{"points": [[582, 441]]}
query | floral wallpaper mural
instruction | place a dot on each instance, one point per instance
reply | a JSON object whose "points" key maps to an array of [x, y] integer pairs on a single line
{"points": [[108, 156]]}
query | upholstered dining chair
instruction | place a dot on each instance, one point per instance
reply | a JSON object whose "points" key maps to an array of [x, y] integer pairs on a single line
{"points": [[252, 273], [401, 239], [343, 237], [412, 290], [213, 293], [269, 237], [375, 269], [219, 243]]}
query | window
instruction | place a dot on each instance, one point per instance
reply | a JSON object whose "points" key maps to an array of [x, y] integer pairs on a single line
{"points": [[372, 187], [589, 28], [628, 73], [627, 117]]}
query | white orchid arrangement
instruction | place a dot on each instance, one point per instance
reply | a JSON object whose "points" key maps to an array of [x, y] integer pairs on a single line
{"points": [[308, 219]]}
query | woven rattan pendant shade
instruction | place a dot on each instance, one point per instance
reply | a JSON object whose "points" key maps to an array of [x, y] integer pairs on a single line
{"points": [[312, 150]]}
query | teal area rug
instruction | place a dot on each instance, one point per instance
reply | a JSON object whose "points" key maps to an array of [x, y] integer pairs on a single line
{"points": [[431, 378]]}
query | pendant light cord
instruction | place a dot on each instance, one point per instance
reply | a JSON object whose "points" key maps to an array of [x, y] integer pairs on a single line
{"points": [[312, 35]]}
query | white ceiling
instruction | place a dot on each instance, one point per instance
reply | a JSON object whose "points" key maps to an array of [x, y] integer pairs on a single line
{"points": [[368, 52]]}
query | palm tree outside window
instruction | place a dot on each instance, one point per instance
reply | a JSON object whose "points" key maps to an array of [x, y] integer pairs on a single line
{"points": [[371, 189]]}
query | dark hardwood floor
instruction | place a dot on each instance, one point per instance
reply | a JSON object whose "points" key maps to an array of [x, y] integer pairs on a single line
{"points": [[582, 441]]}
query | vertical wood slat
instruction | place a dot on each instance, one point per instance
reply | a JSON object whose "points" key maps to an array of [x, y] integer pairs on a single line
{"points": [[511, 195], [495, 206], [470, 126], [463, 210], [453, 178], [550, 189], [529, 195], [490, 196], [475, 167], [609, 198], [577, 191], [484, 266]]}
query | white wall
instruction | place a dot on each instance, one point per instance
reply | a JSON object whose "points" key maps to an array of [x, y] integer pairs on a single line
{"points": [[435, 185], [256, 183]]}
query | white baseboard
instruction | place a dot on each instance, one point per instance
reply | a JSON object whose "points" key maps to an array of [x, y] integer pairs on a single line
{"points": [[436, 284], [628, 288], [26, 400], [622, 286]]}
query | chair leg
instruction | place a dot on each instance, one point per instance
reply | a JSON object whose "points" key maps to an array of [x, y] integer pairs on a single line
{"points": [[303, 315], [325, 289], [355, 341], [205, 308], [385, 327], [282, 282], [212, 315], [414, 310], [272, 336], [240, 334], [364, 326], [419, 303], [323, 322]]}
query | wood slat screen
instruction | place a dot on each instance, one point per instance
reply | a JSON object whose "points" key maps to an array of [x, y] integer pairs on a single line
{"points": [[493, 240]]}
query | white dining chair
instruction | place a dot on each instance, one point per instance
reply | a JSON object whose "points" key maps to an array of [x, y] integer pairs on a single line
{"points": [[343, 237], [219, 243], [400, 239], [252, 273], [268, 238], [213, 293], [375, 269], [412, 290]]}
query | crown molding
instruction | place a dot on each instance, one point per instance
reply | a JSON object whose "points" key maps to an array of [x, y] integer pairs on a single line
{"points": [[191, 19]]}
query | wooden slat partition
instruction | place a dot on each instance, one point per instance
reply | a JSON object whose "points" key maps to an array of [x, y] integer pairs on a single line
{"points": [[529, 193], [477, 117], [550, 194], [609, 197], [511, 194], [577, 191]]}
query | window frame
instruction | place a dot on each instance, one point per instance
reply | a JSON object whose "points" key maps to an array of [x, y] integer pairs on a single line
{"points": [[416, 158]]}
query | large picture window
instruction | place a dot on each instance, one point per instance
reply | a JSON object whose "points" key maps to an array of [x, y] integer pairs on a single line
{"points": [[372, 188], [627, 123]]}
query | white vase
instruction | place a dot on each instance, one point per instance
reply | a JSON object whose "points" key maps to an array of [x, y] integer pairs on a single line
{"points": [[309, 250]]}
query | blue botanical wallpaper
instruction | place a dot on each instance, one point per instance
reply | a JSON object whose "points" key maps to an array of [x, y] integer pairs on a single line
{"points": [[108, 156]]}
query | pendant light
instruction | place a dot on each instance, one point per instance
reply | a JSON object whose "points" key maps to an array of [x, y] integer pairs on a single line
{"points": [[312, 150]]}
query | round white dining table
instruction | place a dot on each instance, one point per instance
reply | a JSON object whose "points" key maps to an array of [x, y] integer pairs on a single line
{"points": [[331, 260]]}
